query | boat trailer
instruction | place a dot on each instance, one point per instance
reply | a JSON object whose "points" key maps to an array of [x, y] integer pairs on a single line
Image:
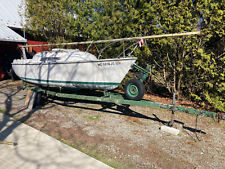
{"points": [[113, 97]]}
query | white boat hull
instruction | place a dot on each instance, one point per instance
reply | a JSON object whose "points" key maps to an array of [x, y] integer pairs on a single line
{"points": [[104, 74]]}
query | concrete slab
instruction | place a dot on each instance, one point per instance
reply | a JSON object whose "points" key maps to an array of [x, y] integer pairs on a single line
{"points": [[36, 150]]}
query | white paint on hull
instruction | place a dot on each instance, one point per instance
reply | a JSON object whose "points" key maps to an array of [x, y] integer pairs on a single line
{"points": [[104, 74]]}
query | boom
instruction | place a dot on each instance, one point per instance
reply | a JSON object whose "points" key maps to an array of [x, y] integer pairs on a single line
{"points": [[117, 40]]}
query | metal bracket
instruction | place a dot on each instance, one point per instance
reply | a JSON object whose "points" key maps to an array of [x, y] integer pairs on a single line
{"points": [[145, 72]]}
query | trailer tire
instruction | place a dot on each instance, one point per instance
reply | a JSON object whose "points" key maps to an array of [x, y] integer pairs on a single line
{"points": [[134, 89]]}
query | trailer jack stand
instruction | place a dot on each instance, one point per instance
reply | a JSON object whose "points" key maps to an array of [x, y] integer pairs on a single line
{"points": [[171, 122]]}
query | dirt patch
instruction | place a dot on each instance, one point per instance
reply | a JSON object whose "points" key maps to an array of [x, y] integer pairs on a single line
{"points": [[123, 137]]}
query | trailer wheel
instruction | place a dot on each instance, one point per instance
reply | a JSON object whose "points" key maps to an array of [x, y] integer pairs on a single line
{"points": [[134, 89]]}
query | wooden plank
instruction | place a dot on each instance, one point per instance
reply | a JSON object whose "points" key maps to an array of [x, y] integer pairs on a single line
{"points": [[32, 100], [8, 143], [28, 97]]}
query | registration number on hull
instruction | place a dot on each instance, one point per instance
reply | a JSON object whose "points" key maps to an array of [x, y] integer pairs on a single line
{"points": [[103, 64]]}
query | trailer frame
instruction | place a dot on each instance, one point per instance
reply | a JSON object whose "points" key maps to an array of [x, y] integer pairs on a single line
{"points": [[115, 97]]}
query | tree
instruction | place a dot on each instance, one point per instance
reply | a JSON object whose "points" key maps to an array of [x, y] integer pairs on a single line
{"points": [[48, 20], [171, 56], [210, 58], [190, 66]]}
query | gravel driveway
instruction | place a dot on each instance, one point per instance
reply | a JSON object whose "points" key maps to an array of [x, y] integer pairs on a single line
{"points": [[120, 136]]}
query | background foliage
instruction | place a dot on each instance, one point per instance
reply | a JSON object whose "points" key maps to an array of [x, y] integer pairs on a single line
{"points": [[193, 67]]}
